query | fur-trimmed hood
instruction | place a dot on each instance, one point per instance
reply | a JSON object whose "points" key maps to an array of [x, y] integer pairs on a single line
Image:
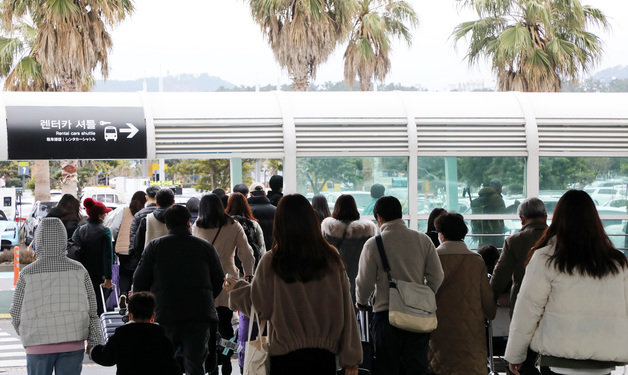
{"points": [[355, 229]]}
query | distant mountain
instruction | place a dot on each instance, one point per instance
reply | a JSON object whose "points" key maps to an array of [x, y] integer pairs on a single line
{"points": [[609, 74], [183, 82]]}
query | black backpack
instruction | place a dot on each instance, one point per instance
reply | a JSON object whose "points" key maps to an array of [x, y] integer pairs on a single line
{"points": [[249, 230]]}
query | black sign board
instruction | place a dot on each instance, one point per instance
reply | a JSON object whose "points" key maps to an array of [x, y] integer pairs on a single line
{"points": [[39, 132]]}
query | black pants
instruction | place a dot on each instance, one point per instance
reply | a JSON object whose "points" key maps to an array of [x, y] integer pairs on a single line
{"points": [[398, 352], [127, 268], [304, 362], [96, 284], [190, 341], [225, 329]]}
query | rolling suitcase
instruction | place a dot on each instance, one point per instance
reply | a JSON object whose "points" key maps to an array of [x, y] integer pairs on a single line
{"points": [[491, 360], [366, 367], [110, 320]]}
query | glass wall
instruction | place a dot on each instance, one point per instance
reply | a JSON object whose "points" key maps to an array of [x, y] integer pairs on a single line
{"points": [[365, 178], [474, 186], [605, 179]]}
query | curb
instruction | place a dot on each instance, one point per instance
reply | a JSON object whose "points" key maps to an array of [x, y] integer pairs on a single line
{"points": [[5, 316]]}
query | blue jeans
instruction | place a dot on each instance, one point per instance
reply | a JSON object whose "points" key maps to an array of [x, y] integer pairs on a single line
{"points": [[66, 363]]}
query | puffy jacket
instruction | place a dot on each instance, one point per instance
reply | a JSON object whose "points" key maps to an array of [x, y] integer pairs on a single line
{"points": [[569, 316], [464, 300], [96, 252], [264, 212], [140, 238], [185, 275], [54, 301], [355, 234]]}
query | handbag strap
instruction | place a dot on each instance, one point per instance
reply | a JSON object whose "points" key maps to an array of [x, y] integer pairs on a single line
{"points": [[252, 320], [382, 255], [216, 236]]}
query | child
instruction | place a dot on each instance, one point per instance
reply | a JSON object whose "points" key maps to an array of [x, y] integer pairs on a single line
{"points": [[139, 347]]}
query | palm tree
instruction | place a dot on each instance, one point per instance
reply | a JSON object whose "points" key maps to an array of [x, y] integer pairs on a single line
{"points": [[533, 45], [303, 33], [22, 72], [70, 42], [367, 54]]}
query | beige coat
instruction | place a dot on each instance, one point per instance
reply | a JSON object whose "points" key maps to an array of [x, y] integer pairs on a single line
{"points": [[230, 238], [464, 300], [122, 241]]}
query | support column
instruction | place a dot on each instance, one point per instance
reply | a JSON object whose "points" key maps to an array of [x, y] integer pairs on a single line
{"points": [[451, 178], [235, 165]]}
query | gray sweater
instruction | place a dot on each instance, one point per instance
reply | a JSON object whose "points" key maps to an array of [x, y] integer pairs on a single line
{"points": [[411, 255]]}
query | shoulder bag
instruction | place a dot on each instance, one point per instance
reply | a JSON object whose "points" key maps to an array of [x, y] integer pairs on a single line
{"points": [[256, 358], [411, 306]]}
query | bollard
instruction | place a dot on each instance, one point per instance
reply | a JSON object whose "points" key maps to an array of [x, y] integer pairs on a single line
{"points": [[16, 264]]}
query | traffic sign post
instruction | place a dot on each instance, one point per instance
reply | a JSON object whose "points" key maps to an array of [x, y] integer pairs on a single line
{"points": [[40, 132]]}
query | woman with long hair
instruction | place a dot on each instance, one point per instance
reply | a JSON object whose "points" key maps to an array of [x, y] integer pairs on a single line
{"points": [[239, 209], [348, 233], [321, 207], [572, 306], [119, 222], [431, 227], [302, 288], [71, 216], [226, 235], [464, 300]]}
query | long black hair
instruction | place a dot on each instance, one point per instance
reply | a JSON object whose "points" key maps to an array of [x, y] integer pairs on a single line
{"points": [[300, 252], [581, 242], [211, 212]]}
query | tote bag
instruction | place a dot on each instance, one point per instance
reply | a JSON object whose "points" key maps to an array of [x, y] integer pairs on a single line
{"points": [[256, 358]]}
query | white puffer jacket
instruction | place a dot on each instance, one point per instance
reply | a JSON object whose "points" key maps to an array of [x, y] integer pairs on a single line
{"points": [[54, 300], [569, 316]]}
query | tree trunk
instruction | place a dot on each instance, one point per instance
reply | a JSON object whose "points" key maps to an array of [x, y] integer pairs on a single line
{"points": [[41, 174], [69, 168], [365, 84], [300, 83]]}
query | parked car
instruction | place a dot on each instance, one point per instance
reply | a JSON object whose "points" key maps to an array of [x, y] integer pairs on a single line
{"points": [[39, 211], [8, 231]]}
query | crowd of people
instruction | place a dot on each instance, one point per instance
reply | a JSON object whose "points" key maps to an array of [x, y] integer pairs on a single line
{"points": [[307, 271]]}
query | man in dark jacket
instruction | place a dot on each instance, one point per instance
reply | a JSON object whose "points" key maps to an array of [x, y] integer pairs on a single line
{"points": [[276, 187], [185, 275], [510, 267], [151, 205], [263, 211], [153, 225]]}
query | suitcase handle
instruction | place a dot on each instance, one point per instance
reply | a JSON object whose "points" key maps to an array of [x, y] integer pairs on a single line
{"points": [[102, 296]]}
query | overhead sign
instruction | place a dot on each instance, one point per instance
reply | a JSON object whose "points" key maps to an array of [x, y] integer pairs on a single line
{"points": [[37, 132]]}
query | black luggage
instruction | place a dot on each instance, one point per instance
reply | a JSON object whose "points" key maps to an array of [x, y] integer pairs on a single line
{"points": [[110, 320]]}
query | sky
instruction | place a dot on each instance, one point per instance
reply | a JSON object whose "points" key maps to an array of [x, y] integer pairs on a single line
{"points": [[219, 38]]}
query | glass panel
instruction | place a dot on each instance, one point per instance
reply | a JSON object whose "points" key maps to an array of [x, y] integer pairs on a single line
{"points": [[365, 178], [605, 179], [476, 240], [478, 185]]}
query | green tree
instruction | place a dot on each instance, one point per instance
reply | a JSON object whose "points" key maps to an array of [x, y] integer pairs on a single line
{"points": [[318, 171], [211, 173], [367, 54], [560, 173], [303, 33], [533, 45]]}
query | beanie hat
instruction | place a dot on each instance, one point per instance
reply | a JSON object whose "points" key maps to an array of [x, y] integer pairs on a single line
{"points": [[95, 208]]}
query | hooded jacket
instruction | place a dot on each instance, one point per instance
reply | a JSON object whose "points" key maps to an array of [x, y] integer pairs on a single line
{"points": [[137, 219], [349, 239], [54, 300]]}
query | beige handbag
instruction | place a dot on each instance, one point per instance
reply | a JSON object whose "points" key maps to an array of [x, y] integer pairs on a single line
{"points": [[411, 306], [256, 358]]}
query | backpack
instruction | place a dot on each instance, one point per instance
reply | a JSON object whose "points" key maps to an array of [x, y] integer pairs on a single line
{"points": [[249, 230]]}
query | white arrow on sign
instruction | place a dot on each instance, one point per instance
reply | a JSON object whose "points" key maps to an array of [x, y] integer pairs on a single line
{"points": [[132, 130]]}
